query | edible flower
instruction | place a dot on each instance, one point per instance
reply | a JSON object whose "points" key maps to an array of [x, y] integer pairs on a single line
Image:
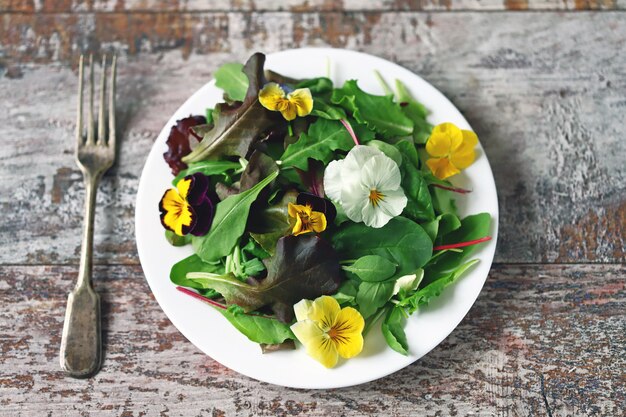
{"points": [[452, 150], [367, 185], [307, 220], [187, 208], [298, 102], [328, 331], [320, 204]]}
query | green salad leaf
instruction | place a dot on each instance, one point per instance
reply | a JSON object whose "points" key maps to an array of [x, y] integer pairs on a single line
{"points": [[207, 168], [415, 111], [327, 111], [379, 113], [230, 78], [401, 241], [393, 330], [272, 223], [372, 268], [193, 263], [229, 223], [317, 86], [323, 138], [257, 328], [373, 295], [304, 267], [238, 126]]}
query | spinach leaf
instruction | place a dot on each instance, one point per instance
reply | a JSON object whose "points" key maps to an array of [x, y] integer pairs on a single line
{"points": [[373, 295], [414, 111], [176, 240], [443, 203], [401, 241], [346, 293], [393, 331], [419, 206], [207, 168], [434, 289], [372, 268], [441, 226], [389, 150], [323, 138], [379, 113], [326, 111], [229, 223], [230, 78], [193, 263], [259, 329], [304, 267], [240, 125]]}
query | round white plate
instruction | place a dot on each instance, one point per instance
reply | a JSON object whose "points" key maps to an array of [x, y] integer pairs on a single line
{"points": [[212, 334]]}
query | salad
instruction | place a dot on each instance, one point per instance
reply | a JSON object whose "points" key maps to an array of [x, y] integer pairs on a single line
{"points": [[317, 213]]}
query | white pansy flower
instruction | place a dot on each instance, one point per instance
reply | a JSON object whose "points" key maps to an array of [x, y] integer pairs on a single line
{"points": [[408, 282], [367, 186]]}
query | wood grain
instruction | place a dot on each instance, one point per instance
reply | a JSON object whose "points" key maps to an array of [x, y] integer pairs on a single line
{"points": [[298, 6], [541, 340], [545, 93]]}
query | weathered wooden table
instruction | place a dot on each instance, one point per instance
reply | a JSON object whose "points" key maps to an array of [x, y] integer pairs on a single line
{"points": [[543, 85]]}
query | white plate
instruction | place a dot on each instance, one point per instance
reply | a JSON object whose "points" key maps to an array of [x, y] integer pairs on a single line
{"points": [[212, 334]]}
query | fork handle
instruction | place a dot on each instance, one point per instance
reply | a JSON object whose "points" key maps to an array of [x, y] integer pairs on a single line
{"points": [[81, 346]]}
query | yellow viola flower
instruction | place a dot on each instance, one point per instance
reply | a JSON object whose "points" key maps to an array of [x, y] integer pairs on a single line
{"points": [[452, 150], [307, 220], [187, 208], [328, 331], [299, 102]]}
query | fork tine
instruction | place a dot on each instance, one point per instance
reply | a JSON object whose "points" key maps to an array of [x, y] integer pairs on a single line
{"points": [[79, 117], [90, 129], [101, 114], [112, 104]]}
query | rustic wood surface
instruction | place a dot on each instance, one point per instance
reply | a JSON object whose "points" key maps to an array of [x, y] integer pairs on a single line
{"points": [[544, 89]]}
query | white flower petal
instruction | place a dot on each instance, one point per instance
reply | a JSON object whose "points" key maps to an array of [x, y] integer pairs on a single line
{"points": [[408, 282], [301, 309], [357, 157], [381, 173], [373, 216], [353, 198], [333, 181], [393, 202]]}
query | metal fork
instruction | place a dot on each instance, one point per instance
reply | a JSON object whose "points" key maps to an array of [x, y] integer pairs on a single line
{"points": [[81, 348]]}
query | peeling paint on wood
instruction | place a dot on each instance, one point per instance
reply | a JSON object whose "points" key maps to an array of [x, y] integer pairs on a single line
{"points": [[297, 6], [540, 340], [545, 97]]}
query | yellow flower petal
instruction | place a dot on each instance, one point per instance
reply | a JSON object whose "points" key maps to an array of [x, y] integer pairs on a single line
{"points": [[442, 138], [302, 309], [177, 213], [324, 311], [464, 155], [318, 221], [289, 111], [441, 168], [183, 187], [272, 97], [318, 345], [347, 332], [469, 138], [303, 101]]}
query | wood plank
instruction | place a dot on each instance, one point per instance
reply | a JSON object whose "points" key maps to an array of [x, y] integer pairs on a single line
{"points": [[543, 91], [300, 6], [541, 340]]}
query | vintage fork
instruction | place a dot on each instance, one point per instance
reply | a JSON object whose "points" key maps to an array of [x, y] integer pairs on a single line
{"points": [[81, 349]]}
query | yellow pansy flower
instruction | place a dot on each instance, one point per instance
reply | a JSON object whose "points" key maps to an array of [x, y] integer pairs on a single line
{"points": [[452, 150], [299, 102], [307, 220], [328, 331]]}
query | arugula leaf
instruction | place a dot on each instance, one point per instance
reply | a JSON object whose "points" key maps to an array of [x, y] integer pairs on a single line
{"points": [[372, 268], [401, 241], [414, 111], [207, 168], [229, 223], [373, 295], [434, 289], [317, 86], [238, 126], [393, 331], [326, 111], [323, 138], [230, 78], [304, 267], [259, 329], [379, 113]]}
